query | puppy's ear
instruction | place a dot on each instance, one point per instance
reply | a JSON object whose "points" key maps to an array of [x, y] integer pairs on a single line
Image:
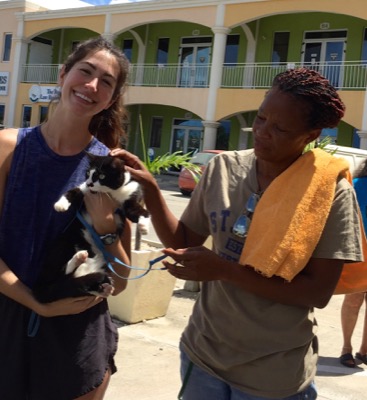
{"points": [[118, 162]]}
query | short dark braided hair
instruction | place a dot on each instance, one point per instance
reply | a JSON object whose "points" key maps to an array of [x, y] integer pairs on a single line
{"points": [[326, 108]]}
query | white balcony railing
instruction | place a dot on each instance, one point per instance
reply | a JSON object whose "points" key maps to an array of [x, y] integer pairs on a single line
{"points": [[343, 75], [41, 73]]}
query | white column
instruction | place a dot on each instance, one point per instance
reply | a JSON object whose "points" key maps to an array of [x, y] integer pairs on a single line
{"points": [[19, 46], [363, 136], [219, 48], [107, 28], [210, 134], [362, 133]]}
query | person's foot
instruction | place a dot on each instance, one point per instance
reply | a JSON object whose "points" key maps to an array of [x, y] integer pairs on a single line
{"points": [[361, 357], [347, 360]]}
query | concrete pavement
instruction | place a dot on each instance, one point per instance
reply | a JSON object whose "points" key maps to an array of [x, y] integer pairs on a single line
{"points": [[148, 355]]}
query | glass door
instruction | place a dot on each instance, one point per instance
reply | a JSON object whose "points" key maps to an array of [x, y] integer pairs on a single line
{"points": [[333, 60], [194, 63], [325, 56], [186, 136], [178, 141], [193, 142]]}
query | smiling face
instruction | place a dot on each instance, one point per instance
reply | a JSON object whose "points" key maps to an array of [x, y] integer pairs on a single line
{"points": [[280, 129], [89, 86]]}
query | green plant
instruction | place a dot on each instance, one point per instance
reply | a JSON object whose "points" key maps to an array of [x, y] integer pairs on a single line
{"points": [[161, 164], [169, 160], [321, 144]]}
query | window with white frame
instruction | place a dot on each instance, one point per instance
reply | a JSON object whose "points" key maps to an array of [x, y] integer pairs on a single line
{"points": [[26, 116], [7, 46], [2, 114]]}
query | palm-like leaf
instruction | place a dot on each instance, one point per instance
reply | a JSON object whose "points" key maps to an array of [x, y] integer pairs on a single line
{"points": [[171, 160]]}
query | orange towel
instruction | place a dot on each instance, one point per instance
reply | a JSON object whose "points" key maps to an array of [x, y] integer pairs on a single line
{"points": [[290, 217]]}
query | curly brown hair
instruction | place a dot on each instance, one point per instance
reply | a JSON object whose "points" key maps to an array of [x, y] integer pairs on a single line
{"points": [[326, 108]]}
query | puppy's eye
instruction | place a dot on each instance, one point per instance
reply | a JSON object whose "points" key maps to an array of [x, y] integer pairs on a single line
{"points": [[87, 174], [101, 176]]}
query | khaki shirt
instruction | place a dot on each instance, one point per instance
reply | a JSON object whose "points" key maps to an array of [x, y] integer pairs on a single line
{"points": [[260, 347]]}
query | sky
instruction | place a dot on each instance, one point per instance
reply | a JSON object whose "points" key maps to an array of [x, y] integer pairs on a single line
{"points": [[57, 5]]}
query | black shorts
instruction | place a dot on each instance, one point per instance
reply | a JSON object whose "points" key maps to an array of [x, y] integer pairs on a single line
{"points": [[67, 358]]}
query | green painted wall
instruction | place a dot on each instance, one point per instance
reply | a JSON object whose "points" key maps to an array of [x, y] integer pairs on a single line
{"points": [[297, 24]]}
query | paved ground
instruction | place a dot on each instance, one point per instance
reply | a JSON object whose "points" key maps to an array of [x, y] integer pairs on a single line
{"points": [[148, 356]]}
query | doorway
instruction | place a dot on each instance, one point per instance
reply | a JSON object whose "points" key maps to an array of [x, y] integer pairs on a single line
{"points": [[324, 52], [194, 59], [187, 136]]}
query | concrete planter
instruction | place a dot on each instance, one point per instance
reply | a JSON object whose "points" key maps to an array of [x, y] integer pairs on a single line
{"points": [[147, 297]]}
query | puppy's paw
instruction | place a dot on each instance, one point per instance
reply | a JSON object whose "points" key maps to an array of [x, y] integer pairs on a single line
{"points": [[81, 256], [78, 259], [106, 290], [62, 204], [143, 225]]}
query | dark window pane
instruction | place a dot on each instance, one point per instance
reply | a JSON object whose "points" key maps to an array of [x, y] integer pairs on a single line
{"points": [[192, 40], [280, 47], [162, 51], [2, 113], [7, 47], [27, 114], [232, 49], [326, 35], [156, 132], [364, 46], [128, 48]]}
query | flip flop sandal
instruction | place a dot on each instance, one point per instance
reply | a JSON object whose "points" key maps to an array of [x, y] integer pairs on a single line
{"points": [[347, 360], [361, 357]]}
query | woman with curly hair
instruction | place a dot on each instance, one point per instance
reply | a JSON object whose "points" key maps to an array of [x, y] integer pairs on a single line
{"points": [[72, 354]]}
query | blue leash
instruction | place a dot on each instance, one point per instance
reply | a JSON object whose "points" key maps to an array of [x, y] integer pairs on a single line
{"points": [[111, 258], [34, 321]]}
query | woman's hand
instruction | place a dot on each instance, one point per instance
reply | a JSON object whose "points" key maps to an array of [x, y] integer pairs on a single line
{"points": [[67, 306], [194, 264], [135, 166]]}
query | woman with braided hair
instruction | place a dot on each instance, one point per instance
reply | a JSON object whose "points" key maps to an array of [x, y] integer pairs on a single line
{"points": [[283, 223]]}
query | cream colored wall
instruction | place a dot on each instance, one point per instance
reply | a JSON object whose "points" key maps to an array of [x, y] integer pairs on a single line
{"points": [[9, 24], [199, 15], [23, 99], [190, 99], [354, 101], [237, 13], [233, 101], [95, 23]]}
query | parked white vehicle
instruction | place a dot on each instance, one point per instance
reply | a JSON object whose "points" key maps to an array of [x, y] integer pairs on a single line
{"points": [[353, 155]]}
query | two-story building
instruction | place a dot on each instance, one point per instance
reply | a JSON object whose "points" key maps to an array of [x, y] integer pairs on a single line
{"points": [[199, 68]]}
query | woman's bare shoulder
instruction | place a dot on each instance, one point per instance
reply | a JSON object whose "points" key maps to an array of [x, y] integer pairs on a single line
{"points": [[8, 140], [8, 137]]}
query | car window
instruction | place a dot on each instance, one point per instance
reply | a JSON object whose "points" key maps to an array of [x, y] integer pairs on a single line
{"points": [[202, 158]]}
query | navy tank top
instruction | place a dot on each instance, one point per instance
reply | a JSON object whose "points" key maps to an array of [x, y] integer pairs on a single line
{"points": [[37, 178]]}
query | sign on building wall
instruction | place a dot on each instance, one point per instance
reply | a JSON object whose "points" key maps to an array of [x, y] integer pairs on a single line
{"points": [[4, 83], [42, 93]]}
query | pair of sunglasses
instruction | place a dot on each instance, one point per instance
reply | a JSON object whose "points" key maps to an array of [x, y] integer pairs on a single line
{"points": [[242, 224]]}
